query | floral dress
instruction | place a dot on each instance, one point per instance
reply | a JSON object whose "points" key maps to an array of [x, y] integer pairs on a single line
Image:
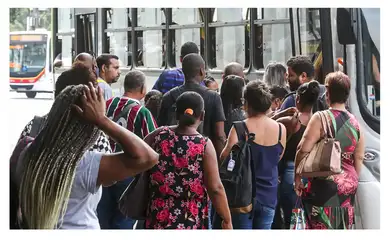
{"points": [[328, 201], [178, 193]]}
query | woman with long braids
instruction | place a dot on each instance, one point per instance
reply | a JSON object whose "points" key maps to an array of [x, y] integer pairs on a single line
{"points": [[60, 181], [80, 73]]}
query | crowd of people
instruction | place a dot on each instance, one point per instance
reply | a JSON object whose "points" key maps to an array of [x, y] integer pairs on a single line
{"points": [[70, 170]]}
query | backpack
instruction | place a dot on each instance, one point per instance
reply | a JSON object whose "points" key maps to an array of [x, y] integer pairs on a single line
{"points": [[238, 177], [14, 178], [171, 116]]}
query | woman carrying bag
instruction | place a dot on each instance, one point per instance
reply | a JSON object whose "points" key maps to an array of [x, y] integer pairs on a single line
{"points": [[328, 198]]}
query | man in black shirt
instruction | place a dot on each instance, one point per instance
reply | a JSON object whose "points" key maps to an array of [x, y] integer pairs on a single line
{"points": [[213, 124]]}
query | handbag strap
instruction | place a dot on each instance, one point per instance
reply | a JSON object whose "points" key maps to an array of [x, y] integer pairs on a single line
{"points": [[298, 202], [325, 124]]}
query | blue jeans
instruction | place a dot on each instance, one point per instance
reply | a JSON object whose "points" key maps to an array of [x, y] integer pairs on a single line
{"points": [[262, 218], [108, 213], [211, 215], [288, 196]]}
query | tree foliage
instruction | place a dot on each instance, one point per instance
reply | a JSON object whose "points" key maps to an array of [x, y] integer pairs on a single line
{"points": [[18, 19]]}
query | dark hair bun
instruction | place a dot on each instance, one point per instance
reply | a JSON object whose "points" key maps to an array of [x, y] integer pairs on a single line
{"points": [[309, 92], [313, 85]]}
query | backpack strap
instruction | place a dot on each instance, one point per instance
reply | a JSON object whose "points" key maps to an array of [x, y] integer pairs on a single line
{"points": [[36, 126], [241, 129], [175, 94], [280, 132]]}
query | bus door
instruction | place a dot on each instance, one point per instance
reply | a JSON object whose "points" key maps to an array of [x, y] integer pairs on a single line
{"points": [[85, 31], [359, 31]]}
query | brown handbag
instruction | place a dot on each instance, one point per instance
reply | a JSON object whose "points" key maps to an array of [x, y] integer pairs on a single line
{"points": [[325, 157], [135, 199]]}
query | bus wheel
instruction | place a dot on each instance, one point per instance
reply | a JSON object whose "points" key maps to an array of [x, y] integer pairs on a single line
{"points": [[31, 94]]}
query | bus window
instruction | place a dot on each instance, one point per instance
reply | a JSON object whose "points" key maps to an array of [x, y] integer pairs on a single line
{"points": [[27, 57], [186, 16], [118, 40], [150, 42], [273, 39], [228, 42], [66, 34], [371, 57], [309, 31], [85, 41]]}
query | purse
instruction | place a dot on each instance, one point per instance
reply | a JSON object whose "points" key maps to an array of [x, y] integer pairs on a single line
{"points": [[135, 199], [325, 157]]}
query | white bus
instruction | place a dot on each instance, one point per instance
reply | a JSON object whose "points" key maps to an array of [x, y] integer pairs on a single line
{"points": [[149, 39], [30, 62]]}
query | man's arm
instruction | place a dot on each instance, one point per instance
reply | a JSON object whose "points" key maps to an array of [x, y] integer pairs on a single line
{"points": [[219, 136]]}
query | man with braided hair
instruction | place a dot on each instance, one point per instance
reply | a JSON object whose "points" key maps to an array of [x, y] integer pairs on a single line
{"points": [[59, 180]]}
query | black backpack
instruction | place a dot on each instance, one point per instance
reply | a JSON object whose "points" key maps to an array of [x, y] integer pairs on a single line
{"points": [[240, 182], [171, 116]]}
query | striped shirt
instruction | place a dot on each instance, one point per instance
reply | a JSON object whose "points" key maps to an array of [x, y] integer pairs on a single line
{"points": [[137, 118]]}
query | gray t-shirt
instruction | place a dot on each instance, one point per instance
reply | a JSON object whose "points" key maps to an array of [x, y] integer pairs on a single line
{"points": [[107, 91], [85, 195]]}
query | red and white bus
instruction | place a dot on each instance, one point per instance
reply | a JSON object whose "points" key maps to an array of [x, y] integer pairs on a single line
{"points": [[30, 62]]}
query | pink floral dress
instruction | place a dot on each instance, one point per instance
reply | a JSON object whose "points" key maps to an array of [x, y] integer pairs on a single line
{"points": [[178, 193], [328, 202]]}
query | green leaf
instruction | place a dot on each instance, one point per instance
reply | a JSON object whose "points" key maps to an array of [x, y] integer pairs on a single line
{"points": [[325, 218]]}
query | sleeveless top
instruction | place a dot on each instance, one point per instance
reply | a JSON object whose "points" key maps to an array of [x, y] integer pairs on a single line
{"points": [[266, 159], [178, 196], [292, 144]]}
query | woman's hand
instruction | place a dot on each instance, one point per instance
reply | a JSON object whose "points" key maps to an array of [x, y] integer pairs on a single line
{"points": [[93, 105], [298, 185], [227, 225]]}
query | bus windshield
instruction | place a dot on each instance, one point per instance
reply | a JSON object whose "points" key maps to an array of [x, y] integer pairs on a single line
{"points": [[27, 57]]}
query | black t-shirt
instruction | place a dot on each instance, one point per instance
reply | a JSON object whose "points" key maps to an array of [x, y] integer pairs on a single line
{"points": [[212, 102], [236, 114]]}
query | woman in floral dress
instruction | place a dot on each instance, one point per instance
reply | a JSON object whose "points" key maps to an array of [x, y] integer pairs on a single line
{"points": [[186, 174], [328, 201]]}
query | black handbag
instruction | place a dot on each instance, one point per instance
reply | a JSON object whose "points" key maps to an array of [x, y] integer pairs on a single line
{"points": [[135, 199]]}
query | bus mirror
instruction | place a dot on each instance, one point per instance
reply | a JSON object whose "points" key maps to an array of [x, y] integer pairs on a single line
{"points": [[345, 32], [58, 64]]}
